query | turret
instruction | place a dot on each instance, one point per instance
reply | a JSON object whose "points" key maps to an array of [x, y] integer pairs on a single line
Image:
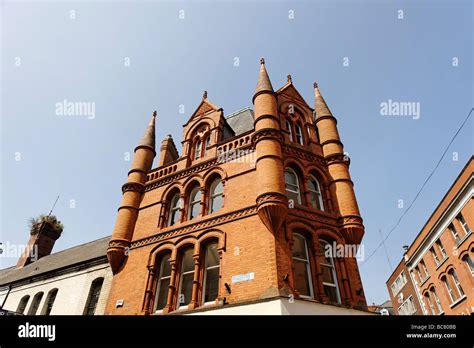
{"points": [[338, 166], [272, 203], [132, 194]]}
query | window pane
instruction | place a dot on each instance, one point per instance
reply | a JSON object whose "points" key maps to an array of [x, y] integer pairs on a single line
{"points": [[299, 248], [301, 277], [22, 304], [188, 261], [290, 178], [165, 268], [186, 289], [216, 196], [35, 304], [328, 275], [212, 284], [212, 256], [94, 294], [50, 301], [163, 288], [331, 292]]}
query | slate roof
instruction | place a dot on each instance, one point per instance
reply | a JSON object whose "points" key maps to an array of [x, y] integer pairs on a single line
{"points": [[60, 260], [241, 121]]}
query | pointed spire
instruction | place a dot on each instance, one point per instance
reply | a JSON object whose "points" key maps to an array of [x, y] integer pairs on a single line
{"points": [[320, 106], [148, 138], [263, 83]]}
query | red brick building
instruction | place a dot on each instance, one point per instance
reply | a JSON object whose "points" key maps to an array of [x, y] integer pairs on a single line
{"points": [[436, 275], [241, 220]]}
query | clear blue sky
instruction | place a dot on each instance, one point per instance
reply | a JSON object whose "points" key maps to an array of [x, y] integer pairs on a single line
{"points": [[173, 60]]}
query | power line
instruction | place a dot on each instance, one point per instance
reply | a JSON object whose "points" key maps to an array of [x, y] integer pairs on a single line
{"points": [[419, 191]]}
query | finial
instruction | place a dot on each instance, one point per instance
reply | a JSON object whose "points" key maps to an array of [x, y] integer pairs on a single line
{"points": [[204, 96], [169, 136], [315, 85], [290, 80], [154, 113], [262, 60]]}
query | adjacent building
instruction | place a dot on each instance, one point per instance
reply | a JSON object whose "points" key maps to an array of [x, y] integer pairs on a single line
{"points": [[74, 281], [244, 218], [436, 274]]}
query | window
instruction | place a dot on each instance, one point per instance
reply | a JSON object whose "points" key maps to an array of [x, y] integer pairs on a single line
{"points": [[211, 273], [301, 266], [216, 194], [455, 233], [163, 282], [35, 304], [206, 145], [197, 149], [186, 279], [454, 275], [48, 306], [315, 196], [441, 248], [430, 303], [328, 271], [317, 133], [290, 132], [448, 287], [470, 266], [438, 302], [399, 283], [435, 257], [299, 134], [22, 305], [427, 274], [194, 203], [174, 210], [93, 298], [407, 307], [463, 223], [292, 186], [420, 277]]}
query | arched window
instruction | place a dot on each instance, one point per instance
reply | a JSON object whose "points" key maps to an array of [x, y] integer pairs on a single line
{"points": [[174, 210], [210, 284], [430, 303], [328, 270], [35, 304], [163, 282], [215, 195], [22, 305], [456, 282], [194, 203], [301, 266], [436, 298], [207, 143], [315, 195], [290, 131], [93, 298], [470, 265], [185, 291], [48, 306], [299, 134], [449, 289], [292, 186], [197, 149]]}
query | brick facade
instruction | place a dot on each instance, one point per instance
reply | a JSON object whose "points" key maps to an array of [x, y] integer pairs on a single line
{"points": [[255, 225]]}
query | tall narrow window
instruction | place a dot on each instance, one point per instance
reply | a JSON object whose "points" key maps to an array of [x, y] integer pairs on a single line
{"points": [[301, 266], [329, 272], [48, 306], [435, 296], [93, 298], [211, 273], [449, 288], [455, 233], [194, 203], [292, 186], [215, 198], [420, 277], [435, 256], [425, 269], [454, 275], [317, 133], [35, 304], [22, 305], [315, 196], [186, 279], [463, 223], [206, 145], [197, 149], [299, 134], [174, 210], [441, 249], [470, 265], [163, 282], [290, 131], [430, 303]]}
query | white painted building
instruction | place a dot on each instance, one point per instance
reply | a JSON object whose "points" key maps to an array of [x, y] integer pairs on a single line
{"points": [[74, 281]]}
